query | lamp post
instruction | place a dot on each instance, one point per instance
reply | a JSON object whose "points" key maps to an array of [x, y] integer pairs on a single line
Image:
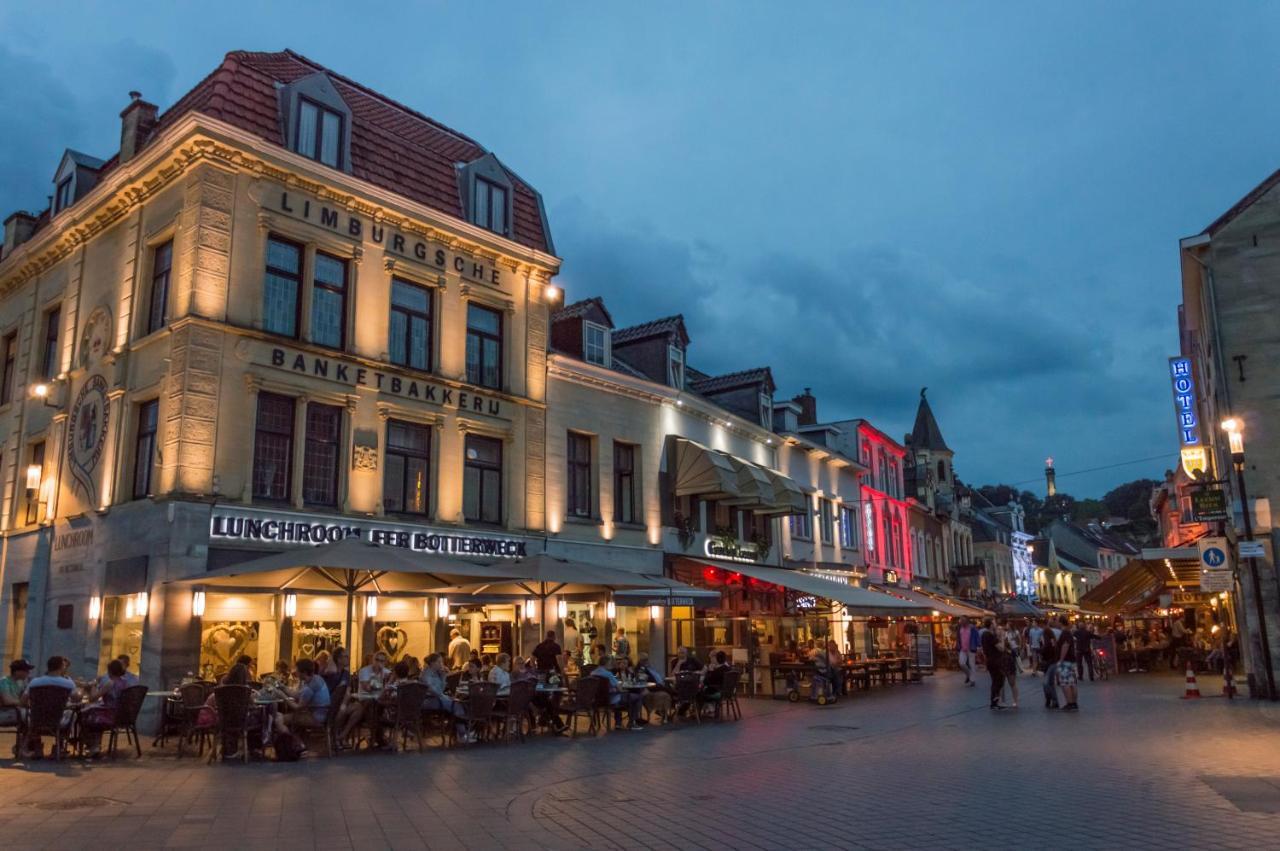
{"points": [[1235, 437]]}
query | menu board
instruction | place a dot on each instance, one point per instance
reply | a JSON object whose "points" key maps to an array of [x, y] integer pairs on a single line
{"points": [[922, 649]]}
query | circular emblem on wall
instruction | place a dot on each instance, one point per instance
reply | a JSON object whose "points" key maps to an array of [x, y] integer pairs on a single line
{"points": [[96, 339], [87, 433]]}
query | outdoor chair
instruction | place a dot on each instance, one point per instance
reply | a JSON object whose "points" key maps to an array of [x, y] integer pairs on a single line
{"points": [[603, 716], [233, 704], [729, 695], [510, 718], [481, 699], [451, 681], [16, 726], [192, 697], [687, 687], [126, 720], [47, 715], [330, 728], [581, 704], [408, 715]]}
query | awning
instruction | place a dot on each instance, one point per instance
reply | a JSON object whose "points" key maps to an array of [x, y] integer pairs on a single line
{"points": [[1016, 607], [938, 604], [789, 497], [667, 592], [698, 470], [754, 484], [1142, 580], [859, 601], [543, 575]]}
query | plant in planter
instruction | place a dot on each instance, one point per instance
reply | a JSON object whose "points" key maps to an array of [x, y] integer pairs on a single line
{"points": [[763, 545], [684, 529]]}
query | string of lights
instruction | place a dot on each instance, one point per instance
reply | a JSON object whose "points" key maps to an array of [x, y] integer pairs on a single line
{"points": [[1096, 469]]}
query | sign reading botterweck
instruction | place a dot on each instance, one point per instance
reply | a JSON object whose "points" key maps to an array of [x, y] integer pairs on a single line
{"points": [[282, 527]]}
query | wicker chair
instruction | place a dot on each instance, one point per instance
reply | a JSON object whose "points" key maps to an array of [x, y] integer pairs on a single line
{"points": [[481, 698], [233, 704], [408, 714], [686, 694], [126, 720], [729, 695], [192, 697], [329, 731], [46, 715], [582, 704], [604, 707], [510, 719]]}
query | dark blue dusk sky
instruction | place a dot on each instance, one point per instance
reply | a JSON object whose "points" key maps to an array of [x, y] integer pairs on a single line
{"points": [[981, 198]]}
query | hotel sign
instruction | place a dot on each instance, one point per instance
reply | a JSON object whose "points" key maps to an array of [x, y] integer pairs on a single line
{"points": [[355, 375], [730, 550], [1194, 457], [280, 527], [432, 254]]}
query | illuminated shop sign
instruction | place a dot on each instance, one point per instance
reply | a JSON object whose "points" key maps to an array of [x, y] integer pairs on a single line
{"points": [[730, 550], [285, 528], [1194, 457]]}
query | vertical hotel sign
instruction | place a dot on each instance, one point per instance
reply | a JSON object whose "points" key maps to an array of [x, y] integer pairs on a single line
{"points": [[1194, 456]]}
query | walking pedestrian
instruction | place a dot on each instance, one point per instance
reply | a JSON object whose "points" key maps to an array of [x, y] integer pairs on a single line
{"points": [[1084, 649], [1011, 649], [995, 661], [1048, 652], [1034, 633], [1067, 658], [966, 646]]}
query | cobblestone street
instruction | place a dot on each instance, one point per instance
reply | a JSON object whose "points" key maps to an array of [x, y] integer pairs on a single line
{"points": [[900, 767]]}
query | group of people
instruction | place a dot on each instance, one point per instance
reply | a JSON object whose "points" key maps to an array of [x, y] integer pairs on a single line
{"points": [[1052, 646], [101, 700]]}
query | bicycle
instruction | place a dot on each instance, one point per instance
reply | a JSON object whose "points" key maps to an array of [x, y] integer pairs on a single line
{"points": [[1102, 665]]}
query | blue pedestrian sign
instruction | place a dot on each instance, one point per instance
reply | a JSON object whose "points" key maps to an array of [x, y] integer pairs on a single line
{"points": [[1214, 557], [1213, 553]]}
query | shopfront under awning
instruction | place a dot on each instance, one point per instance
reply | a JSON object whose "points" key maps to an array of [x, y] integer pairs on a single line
{"points": [[1141, 581], [859, 601], [938, 604]]}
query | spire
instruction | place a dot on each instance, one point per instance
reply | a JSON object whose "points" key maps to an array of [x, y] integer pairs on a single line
{"points": [[926, 434]]}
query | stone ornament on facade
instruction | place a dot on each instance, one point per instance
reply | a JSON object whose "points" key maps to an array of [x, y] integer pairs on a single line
{"points": [[95, 342], [87, 435], [364, 459]]}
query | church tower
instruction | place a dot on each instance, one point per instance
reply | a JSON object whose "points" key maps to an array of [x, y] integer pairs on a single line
{"points": [[934, 476]]}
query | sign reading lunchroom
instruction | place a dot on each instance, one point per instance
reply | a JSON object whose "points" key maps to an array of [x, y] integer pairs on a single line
{"points": [[280, 527]]}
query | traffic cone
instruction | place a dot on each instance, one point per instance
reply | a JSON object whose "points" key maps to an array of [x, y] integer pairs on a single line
{"points": [[1193, 689]]}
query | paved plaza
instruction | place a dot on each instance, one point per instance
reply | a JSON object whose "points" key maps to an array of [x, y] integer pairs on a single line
{"points": [[907, 766]]}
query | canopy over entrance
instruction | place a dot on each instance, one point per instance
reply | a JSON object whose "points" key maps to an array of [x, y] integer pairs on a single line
{"points": [[859, 601], [1141, 581]]}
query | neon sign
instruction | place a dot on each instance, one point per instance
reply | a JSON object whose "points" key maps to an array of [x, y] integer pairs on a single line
{"points": [[1194, 456]]}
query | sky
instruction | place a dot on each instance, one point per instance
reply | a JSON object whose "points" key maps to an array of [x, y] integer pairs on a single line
{"points": [[981, 198]]}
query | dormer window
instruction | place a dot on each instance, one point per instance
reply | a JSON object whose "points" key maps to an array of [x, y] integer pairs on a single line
{"points": [[595, 343], [766, 410], [65, 194], [490, 207], [319, 133], [675, 367]]}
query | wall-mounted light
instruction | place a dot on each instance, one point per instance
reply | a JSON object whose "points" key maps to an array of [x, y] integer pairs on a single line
{"points": [[610, 610], [40, 391], [552, 292], [530, 609], [562, 609], [371, 606], [290, 605], [442, 607], [128, 607], [33, 477], [140, 604], [197, 603], [95, 608], [655, 612]]}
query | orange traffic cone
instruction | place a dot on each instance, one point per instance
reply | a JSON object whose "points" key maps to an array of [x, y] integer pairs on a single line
{"points": [[1193, 689]]}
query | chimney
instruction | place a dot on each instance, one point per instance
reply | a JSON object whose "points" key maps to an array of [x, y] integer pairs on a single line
{"points": [[808, 408], [136, 123], [17, 230]]}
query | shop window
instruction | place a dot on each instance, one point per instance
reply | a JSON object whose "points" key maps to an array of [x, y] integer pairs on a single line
{"points": [[406, 472], [121, 631], [624, 483], [144, 448], [595, 343], [826, 519], [66, 615], [320, 460], [489, 206], [49, 354], [484, 346], [848, 528], [273, 448], [579, 475], [10, 355], [161, 266], [319, 135], [482, 480], [222, 642], [410, 343], [282, 287], [36, 465], [329, 301]]}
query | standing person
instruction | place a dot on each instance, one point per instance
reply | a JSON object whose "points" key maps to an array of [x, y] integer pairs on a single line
{"points": [[1012, 649], [572, 640], [1084, 649], [459, 650], [1066, 674], [965, 647], [621, 646], [1048, 653], [547, 654], [835, 662], [995, 661], [1034, 632], [1177, 640]]}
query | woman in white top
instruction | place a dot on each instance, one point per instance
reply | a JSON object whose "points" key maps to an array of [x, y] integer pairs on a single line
{"points": [[500, 673]]}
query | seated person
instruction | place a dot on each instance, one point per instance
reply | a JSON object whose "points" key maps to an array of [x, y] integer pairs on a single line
{"points": [[434, 677], [500, 674], [282, 674], [714, 677], [11, 689], [521, 670], [657, 701], [486, 665], [338, 673], [685, 661], [102, 714], [55, 675], [309, 708], [371, 679], [374, 676], [249, 665], [473, 673], [617, 698]]}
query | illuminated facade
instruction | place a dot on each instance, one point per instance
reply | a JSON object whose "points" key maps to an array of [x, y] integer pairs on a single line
{"points": [[287, 308]]}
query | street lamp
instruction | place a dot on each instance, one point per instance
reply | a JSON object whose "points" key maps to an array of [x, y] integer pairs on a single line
{"points": [[1235, 438]]}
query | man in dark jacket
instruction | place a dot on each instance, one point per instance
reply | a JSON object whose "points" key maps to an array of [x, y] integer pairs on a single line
{"points": [[1084, 649], [995, 661]]}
